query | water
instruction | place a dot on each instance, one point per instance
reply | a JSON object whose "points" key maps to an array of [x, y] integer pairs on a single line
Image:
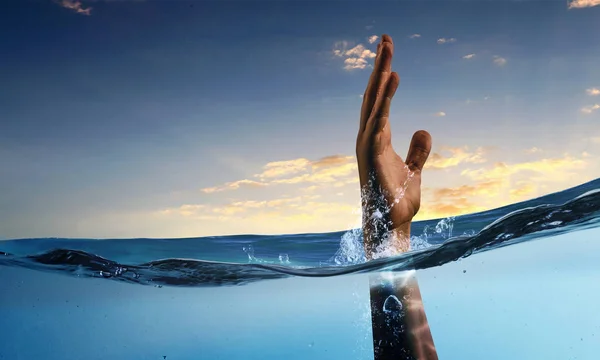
{"points": [[519, 282]]}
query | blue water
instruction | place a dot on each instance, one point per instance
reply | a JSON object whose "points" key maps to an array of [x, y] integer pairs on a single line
{"points": [[519, 282]]}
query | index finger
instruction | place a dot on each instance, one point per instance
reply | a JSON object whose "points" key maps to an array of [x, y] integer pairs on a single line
{"points": [[381, 71]]}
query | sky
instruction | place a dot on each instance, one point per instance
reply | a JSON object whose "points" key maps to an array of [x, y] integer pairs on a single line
{"points": [[166, 119]]}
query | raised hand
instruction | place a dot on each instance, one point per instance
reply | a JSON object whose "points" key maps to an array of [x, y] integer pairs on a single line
{"points": [[390, 187]]}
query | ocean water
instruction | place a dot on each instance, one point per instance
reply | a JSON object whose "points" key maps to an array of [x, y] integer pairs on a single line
{"points": [[519, 282]]}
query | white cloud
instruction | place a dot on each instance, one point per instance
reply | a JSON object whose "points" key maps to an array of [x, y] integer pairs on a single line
{"points": [[578, 4], [355, 63], [76, 6], [500, 61], [590, 109], [446, 40], [373, 38], [593, 91], [361, 52], [415, 36], [356, 57], [340, 47], [470, 56], [440, 113]]}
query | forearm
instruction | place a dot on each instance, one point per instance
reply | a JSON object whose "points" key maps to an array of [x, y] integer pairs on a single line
{"points": [[418, 331], [415, 340]]}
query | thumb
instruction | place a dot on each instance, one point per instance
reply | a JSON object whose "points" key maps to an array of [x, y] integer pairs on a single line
{"points": [[420, 146]]}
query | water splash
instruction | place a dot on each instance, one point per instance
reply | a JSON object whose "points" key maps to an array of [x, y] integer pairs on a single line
{"points": [[284, 259], [377, 208], [249, 250], [351, 249]]}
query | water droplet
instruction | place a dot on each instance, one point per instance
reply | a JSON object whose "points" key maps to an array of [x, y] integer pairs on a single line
{"points": [[284, 258]]}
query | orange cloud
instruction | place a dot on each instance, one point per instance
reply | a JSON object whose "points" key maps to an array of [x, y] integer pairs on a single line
{"points": [[458, 155], [487, 188], [579, 4], [546, 169], [234, 185], [442, 209], [336, 169], [282, 168], [524, 189], [299, 213]]}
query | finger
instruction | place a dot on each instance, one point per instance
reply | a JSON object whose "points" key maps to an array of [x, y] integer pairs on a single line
{"points": [[381, 69], [381, 112], [420, 146], [383, 65]]}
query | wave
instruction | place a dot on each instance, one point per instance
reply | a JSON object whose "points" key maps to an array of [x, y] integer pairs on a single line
{"points": [[517, 226]]}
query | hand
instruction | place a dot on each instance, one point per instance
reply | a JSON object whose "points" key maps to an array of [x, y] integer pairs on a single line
{"points": [[390, 187]]}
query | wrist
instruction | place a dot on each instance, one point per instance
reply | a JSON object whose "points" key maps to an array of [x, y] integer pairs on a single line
{"points": [[400, 236]]}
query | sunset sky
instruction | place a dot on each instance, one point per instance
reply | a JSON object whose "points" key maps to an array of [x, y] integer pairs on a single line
{"points": [[123, 119]]}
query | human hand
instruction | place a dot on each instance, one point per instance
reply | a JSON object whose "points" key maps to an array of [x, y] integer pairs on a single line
{"points": [[390, 187]]}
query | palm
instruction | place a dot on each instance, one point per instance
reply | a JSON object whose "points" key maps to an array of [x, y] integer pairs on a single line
{"points": [[392, 175], [387, 181]]}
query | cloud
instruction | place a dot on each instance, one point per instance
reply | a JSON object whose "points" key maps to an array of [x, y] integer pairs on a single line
{"points": [[356, 57], [355, 63], [593, 91], [457, 156], [361, 52], [590, 109], [373, 38], [282, 168], [501, 184], [234, 185], [337, 170], [579, 4], [415, 36], [281, 215], [524, 189], [440, 113], [76, 6], [442, 209], [331, 161], [500, 61], [469, 56], [445, 40], [345, 173], [552, 169], [486, 188]]}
